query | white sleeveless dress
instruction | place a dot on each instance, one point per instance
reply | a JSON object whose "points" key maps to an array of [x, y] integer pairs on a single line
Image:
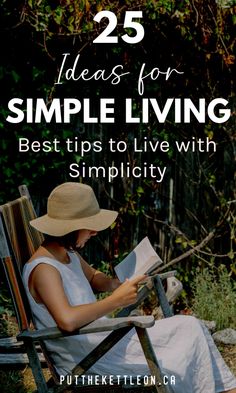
{"points": [[183, 347]]}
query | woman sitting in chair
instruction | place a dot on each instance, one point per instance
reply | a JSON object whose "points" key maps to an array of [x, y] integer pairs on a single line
{"points": [[60, 286]]}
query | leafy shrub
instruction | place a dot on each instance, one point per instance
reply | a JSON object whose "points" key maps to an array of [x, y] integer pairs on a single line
{"points": [[215, 297]]}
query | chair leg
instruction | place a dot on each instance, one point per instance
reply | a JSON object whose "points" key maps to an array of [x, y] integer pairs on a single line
{"points": [[161, 295], [36, 368], [152, 360]]}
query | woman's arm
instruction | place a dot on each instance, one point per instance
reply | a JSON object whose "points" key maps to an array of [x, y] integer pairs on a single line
{"points": [[47, 288], [99, 281]]}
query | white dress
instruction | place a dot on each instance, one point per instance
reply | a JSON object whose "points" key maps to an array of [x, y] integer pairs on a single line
{"points": [[183, 347]]}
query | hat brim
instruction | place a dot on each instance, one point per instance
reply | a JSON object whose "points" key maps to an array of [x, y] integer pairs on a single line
{"points": [[56, 227]]}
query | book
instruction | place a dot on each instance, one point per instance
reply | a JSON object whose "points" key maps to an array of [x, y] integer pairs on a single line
{"points": [[142, 260]]}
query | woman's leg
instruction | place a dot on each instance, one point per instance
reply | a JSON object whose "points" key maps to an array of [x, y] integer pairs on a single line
{"points": [[185, 348], [182, 350]]}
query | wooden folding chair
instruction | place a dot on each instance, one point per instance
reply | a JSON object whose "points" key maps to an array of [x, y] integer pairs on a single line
{"points": [[18, 240]]}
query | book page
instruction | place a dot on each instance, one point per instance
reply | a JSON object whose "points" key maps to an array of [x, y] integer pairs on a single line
{"points": [[141, 260]]}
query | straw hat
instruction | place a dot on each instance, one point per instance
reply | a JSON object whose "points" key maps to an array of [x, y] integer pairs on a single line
{"points": [[73, 206]]}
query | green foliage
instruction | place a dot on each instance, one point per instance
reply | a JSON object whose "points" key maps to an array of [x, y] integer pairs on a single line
{"points": [[73, 18], [105, 267], [214, 297]]}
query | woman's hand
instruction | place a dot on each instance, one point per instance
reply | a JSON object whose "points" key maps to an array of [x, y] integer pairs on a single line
{"points": [[126, 293]]}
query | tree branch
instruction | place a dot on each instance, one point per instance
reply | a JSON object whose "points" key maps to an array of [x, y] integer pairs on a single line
{"points": [[188, 253], [193, 249]]}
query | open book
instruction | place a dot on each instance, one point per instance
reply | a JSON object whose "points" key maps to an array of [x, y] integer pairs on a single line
{"points": [[142, 260]]}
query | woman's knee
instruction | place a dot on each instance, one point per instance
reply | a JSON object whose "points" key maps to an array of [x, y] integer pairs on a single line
{"points": [[191, 325]]}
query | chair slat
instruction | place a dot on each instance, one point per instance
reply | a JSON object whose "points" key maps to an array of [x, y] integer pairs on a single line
{"points": [[4, 249], [23, 238]]}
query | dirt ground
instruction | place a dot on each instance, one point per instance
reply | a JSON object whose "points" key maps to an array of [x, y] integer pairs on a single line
{"points": [[229, 354], [23, 382]]}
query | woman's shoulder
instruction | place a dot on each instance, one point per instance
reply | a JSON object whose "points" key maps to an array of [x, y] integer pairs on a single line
{"points": [[41, 256], [51, 257], [39, 260], [52, 251], [41, 252]]}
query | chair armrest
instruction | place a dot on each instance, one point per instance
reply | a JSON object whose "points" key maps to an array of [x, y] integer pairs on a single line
{"points": [[100, 325], [149, 280], [162, 276], [167, 274]]}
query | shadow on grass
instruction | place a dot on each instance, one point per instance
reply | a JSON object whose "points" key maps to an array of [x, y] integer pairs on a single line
{"points": [[12, 381]]}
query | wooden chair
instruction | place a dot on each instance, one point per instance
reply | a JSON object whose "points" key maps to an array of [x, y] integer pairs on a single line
{"points": [[18, 240]]}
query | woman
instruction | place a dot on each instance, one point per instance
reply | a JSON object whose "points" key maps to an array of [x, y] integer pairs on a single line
{"points": [[60, 287]]}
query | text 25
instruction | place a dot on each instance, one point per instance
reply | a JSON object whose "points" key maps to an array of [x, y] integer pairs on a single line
{"points": [[107, 38]]}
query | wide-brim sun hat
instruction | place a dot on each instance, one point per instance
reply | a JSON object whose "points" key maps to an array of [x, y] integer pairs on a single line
{"points": [[73, 206]]}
